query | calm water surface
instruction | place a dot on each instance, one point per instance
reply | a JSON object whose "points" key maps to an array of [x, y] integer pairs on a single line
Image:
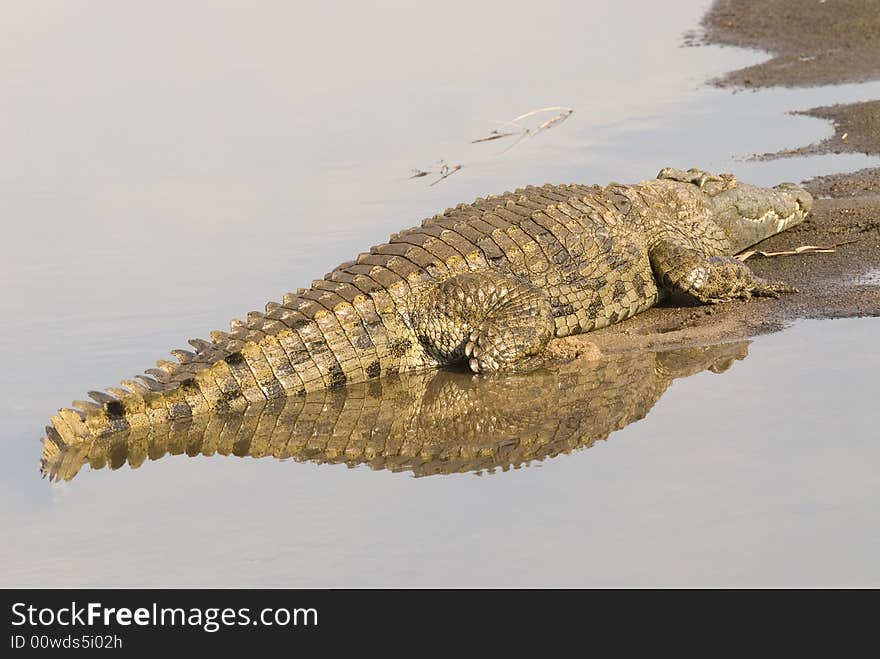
{"points": [[170, 167]]}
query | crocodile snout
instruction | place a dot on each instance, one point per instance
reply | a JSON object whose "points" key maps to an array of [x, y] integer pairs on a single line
{"points": [[803, 198]]}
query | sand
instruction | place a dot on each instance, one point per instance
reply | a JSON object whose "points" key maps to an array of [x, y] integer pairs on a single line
{"points": [[812, 42]]}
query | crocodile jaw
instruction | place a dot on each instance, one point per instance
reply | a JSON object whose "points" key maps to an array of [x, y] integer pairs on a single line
{"points": [[749, 214]]}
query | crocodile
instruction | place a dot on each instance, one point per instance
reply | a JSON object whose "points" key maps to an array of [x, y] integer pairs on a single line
{"points": [[426, 423], [486, 284]]}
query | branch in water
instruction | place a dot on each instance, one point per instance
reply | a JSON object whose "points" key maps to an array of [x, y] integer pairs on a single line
{"points": [[494, 135], [445, 171], [525, 132], [522, 132]]}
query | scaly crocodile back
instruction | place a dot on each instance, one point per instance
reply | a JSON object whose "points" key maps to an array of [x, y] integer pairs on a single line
{"points": [[348, 327]]}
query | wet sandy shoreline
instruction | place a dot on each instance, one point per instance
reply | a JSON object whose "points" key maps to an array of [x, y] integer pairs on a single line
{"points": [[856, 130], [827, 43], [810, 43]]}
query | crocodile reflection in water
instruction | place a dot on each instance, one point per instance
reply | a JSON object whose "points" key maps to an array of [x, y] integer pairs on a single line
{"points": [[427, 423]]}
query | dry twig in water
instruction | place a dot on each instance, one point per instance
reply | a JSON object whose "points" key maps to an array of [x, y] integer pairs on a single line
{"points": [[522, 131], [445, 171], [525, 132], [554, 121], [494, 135]]}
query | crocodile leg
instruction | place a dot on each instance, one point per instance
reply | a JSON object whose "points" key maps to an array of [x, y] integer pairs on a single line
{"points": [[680, 268], [492, 320]]}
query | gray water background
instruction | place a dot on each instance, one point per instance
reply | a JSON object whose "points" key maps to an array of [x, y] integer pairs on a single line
{"points": [[167, 167]]}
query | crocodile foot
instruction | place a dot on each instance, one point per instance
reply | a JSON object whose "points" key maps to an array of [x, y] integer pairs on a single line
{"points": [[490, 320]]}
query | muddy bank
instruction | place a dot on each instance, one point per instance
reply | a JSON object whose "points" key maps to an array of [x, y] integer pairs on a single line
{"points": [[856, 184], [813, 43], [821, 42], [856, 130]]}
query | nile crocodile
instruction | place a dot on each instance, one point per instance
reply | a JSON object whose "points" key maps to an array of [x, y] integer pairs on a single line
{"points": [[427, 422], [487, 284]]}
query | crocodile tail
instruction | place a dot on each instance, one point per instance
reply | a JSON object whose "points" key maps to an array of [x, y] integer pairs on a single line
{"points": [[294, 347]]}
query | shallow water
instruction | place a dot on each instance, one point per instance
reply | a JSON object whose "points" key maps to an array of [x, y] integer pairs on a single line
{"points": [[173, 167], [766, 474]]}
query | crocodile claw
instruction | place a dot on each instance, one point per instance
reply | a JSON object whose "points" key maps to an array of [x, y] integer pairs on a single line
{"points": [[774, 289]]}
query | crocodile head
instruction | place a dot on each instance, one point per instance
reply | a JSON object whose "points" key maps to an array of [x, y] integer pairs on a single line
{"points": [[747, 213]]}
